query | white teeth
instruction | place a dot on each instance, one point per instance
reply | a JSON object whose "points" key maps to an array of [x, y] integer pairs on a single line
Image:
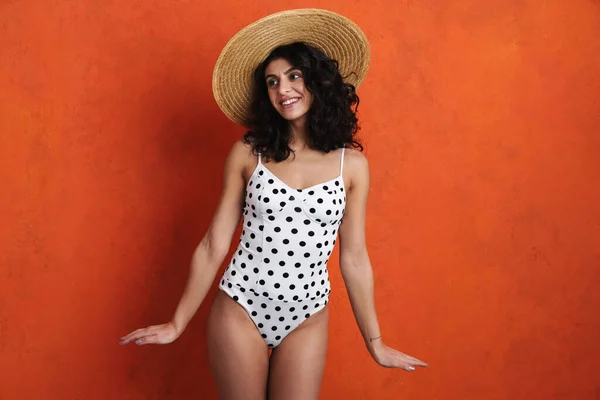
{"points": [[290, 101]]}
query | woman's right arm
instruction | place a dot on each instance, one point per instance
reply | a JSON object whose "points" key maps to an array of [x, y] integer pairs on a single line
{"points": [[209, 254]]}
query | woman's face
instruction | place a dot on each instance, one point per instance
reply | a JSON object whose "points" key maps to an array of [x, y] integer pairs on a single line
{"points": [[287, 91]]}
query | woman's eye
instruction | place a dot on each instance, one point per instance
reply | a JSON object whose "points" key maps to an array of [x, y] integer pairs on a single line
{"points": [[271, 83], [296, 76]]}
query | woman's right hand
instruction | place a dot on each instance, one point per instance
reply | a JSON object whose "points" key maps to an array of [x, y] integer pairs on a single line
{"points": [[155, 334]]}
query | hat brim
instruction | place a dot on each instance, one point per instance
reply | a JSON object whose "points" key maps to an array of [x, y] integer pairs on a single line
{"points": [[337, 36]]}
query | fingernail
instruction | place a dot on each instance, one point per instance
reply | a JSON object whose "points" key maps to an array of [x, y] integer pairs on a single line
{"points": [[139, 341], [411, 368]]}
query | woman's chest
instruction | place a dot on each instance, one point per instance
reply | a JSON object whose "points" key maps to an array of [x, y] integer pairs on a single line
{"points": [[271, 198]]}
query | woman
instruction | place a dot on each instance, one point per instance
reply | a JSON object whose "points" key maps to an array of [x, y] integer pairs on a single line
{"points": [[299, 183]]}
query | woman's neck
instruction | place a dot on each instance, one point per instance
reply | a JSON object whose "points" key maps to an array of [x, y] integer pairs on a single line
{"points": [[299, 130]]}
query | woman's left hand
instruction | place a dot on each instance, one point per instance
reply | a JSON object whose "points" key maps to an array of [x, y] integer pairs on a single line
{"points": [[390, 358]]}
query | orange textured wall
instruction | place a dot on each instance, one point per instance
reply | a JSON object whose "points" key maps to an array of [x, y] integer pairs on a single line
{"points": [[482, 126]]}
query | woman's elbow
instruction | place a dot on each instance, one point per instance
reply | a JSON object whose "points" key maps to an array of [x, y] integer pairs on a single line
{"points": [[354, 259], [213, 249]]}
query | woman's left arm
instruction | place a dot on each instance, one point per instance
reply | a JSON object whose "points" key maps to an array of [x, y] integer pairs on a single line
{"points": [[356, 266]]}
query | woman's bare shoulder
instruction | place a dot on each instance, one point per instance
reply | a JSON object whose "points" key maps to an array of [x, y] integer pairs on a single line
{"points": [[241, 156], [241, 149], [356, 160], [357, 167]]}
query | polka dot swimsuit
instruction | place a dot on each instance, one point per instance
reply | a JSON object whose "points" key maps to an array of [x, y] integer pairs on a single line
{"points": [[278, 272]]}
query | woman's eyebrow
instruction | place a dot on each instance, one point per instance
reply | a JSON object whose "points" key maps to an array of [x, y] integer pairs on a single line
{"points": [[285, 73]]}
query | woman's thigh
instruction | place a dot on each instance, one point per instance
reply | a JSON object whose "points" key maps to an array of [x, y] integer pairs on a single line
{"points": [[298, 363], [238, 356]]}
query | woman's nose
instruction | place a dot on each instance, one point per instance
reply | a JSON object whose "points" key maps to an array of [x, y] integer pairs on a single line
{"points": [[284, 86]]}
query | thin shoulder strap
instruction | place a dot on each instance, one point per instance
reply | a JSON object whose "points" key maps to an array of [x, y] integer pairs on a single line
{"points": [[342, 161], [259, 157]]}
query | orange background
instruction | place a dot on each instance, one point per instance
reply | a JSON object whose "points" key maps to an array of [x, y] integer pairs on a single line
{"points": [[481, 121]]}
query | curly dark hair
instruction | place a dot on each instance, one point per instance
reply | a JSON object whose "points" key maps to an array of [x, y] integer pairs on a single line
{"points": [[332, 121]]}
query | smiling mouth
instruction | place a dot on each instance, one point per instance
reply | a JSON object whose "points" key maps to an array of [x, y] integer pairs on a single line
{"points": [[290, 103]]}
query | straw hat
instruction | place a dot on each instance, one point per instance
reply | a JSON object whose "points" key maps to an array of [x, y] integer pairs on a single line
{"points": [[334, 34]]}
